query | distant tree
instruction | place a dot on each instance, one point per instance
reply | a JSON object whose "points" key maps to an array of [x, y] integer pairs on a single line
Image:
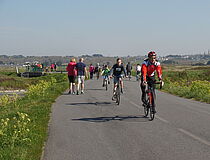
{"points": [[198, 64], [169, 62], [4, 56], [174, 56], [1, 62], [17, 56], [97, 55], [85, 55]]}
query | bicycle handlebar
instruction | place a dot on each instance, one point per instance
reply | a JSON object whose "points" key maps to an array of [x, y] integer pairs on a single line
{"points": [[161, 83]]}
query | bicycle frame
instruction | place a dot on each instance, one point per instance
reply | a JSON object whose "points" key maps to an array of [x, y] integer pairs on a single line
{"points": [[117, 92], [149, 105]]}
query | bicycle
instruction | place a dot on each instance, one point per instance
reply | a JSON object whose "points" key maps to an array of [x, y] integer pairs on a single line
{"points": [[149, 104], [116, 95], [106, 82]]}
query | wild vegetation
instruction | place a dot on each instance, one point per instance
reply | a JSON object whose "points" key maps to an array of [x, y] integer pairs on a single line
{"points": [[24, 121], [189, 82]]}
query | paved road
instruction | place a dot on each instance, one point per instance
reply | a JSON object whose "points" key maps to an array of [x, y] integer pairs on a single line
{"points": [[93, 127]]}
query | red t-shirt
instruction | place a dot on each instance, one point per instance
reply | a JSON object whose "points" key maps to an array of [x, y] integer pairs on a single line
{"points": [[71, 69]]}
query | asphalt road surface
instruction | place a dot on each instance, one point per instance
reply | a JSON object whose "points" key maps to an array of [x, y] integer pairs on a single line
{"points": [[92, 127]]}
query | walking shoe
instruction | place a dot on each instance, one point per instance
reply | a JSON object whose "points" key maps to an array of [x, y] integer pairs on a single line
{"points": [[77, 92], [69, 92], [82, 92], [73, 93], [121, 90], [153, 110]]}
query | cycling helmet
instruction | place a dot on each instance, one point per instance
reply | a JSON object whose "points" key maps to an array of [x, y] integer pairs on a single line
{"points": [[151, 53]]}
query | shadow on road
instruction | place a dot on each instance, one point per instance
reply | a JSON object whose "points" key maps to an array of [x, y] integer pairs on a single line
{"points": [[114, 118], [90, 103], [95, 89]]}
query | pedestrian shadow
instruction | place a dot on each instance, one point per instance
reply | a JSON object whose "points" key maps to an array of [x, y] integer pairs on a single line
{"points": [[66, 93], [90, 103], [140, 118], [95, 89]]}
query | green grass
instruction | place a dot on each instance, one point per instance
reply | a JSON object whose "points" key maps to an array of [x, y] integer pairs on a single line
{"points": [[38, 109]]}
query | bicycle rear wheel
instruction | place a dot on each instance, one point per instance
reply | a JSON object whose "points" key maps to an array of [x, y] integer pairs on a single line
{"points": [[146, 108]]}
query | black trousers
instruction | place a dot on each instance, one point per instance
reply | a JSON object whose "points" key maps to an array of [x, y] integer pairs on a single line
{"points": [[150, 82]]}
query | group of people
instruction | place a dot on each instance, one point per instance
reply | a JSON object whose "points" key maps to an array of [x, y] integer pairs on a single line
{"points": [[144, 72], [76, 72], [95, 70]]}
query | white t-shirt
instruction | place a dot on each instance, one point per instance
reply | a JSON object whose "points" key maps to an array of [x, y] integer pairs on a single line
{"points": [[138, 68]]}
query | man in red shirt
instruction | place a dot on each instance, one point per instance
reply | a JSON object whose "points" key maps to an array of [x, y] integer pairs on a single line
{"points": [[72, 73], [148, 68]]}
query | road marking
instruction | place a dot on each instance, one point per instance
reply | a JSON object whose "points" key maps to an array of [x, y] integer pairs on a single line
{"points": [[196, 110], [161, 119], [135, 104], [158, 117], [194, 136]]}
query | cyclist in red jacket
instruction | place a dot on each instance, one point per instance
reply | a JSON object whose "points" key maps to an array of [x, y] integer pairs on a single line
{"points": [[148, 68]]}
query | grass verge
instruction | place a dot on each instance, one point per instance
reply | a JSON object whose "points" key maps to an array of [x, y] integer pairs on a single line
{"points": [[193, 83], [24, 122]]}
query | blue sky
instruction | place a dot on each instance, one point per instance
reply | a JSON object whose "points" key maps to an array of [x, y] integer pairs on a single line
{"points": [[110, 27]]}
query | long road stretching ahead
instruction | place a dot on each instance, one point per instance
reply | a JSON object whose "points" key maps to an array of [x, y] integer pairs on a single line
{"points": [[92, 127]]}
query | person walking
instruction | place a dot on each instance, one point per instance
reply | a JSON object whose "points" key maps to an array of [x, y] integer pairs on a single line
{"points": [[138, 72], [72, 73], [91, 70], [81, 74]]}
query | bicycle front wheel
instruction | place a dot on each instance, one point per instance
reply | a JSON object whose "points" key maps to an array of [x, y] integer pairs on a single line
{"points": [[106, 84], [146, 108], [151, 109], [118, 96]]}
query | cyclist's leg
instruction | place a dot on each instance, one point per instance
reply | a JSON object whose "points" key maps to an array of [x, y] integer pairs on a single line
{"points": [[103, 81], [114, 88], [121, 84], [116, 79], [151, 83], [143, 90]]}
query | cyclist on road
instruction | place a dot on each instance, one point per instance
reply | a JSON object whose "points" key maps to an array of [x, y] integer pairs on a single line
{"points": [[105, 74], [81, 74], [129, 68], [117, 72], [149, 66]]}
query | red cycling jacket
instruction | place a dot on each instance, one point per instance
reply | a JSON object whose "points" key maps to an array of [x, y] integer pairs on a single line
{"points": [[148, 69]]}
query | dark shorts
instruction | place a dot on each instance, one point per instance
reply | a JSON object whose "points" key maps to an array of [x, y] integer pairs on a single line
{"points": [[71, 79], [117, 79]]}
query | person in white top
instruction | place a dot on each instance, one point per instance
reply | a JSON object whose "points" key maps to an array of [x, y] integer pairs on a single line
{"points": [[138, 72]]}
